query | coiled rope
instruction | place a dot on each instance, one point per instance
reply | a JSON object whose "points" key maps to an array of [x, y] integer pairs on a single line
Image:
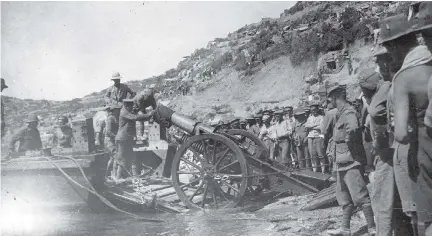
{"points": [[92, 189]]}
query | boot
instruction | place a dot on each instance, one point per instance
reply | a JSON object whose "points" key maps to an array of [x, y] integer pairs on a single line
{"points": [[368, 213], [344, 230]]}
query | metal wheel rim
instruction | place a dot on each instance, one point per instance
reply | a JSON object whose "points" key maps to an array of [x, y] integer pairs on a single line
{"points": [[232, 146]]}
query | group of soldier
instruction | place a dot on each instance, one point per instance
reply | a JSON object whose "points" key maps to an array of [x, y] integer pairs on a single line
{"points": [[293, 138], [396, 118]]}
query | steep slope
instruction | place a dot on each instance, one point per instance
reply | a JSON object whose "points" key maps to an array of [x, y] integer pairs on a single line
{"points": [[261, 64]]}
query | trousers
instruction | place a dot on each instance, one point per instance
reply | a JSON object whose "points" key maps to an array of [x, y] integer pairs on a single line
{"points": [[125, 155], [423, 184], [270, 145], [351, 188], [284, 148], [316, 151]]}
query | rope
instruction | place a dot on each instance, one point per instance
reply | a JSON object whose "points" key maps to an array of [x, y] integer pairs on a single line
{"points": [[92, 189]]}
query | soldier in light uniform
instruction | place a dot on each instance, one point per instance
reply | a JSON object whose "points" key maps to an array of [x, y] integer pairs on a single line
{"points": [[316, 140], [300, 139], [282, 132], [118, 91], [266, 134], [351, 188]]}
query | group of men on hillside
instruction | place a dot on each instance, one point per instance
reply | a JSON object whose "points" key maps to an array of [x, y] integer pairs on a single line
{"points": [[294, 138]]}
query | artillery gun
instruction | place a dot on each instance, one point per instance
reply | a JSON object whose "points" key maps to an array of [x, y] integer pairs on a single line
{"points": [[213, 167]]}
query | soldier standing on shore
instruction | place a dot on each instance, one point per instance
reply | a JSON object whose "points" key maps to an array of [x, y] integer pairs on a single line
{"points": [[300, 139], [266, 134], [351, 188]]}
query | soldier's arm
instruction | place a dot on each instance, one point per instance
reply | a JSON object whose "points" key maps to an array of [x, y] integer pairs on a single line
{"points": [[15, 138], [131, 116], [401, 111], [130, 91], [154, 104]]}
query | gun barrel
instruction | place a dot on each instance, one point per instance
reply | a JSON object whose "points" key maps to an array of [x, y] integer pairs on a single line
{"points": [[184, 123]]}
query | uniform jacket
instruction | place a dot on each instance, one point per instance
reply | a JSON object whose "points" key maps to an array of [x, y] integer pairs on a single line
{"points": [[377, 110], [127, 124], [144, 99], [347, 139], [281, 129], [29, 140], [63, 136], [255, 129], [314, 123], [300, 133], [116, 95]]}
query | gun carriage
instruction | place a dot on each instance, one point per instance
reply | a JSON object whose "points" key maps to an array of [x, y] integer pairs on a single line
{"points": [[214, 167]]}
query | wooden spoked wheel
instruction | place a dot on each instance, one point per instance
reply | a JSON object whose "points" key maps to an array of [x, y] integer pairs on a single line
{"points": [[254, 147], [209, 172]]}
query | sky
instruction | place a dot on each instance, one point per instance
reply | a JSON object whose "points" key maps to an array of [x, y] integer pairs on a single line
{"points": [[66, 50]]}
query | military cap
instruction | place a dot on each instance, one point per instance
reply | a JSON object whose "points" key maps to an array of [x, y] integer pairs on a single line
{"points": [[307, 108], [115, 106], [128, 100], [258, 116], [394, 27], [299, 111], [3, 84], [267, 111], [116, 75], [336, 88], [250, 118], [234, 121], [242, 121], [32, 118], [314, 104], [368, 79], [278, 112], [260, 111]]}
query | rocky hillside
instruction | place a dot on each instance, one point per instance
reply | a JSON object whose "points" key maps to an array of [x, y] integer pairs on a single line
{"points": [[262, 64]]}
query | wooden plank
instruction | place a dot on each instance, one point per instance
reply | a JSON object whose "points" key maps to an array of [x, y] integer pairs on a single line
{"points": [[323, 198]]}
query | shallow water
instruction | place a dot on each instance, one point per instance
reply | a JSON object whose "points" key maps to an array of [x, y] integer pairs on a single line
{"points": [[84, 222]]}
